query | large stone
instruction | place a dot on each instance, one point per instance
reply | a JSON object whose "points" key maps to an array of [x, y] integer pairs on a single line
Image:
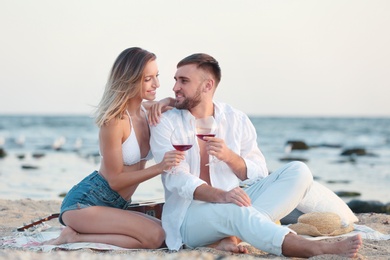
{"points": [[2, 153], [297, 145], [29, 167], [371, 206], [348, 193], [290, 159], [354, 151]]}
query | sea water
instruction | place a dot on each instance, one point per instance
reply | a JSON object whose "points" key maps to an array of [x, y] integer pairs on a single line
{"points": [[47, 155]]}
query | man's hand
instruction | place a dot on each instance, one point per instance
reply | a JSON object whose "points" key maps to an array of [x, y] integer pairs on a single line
{"points": [[217, 147], [238, 196], [207, 193]]}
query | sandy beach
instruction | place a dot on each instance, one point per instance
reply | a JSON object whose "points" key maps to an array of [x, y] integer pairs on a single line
{"points": [[13, 213]]}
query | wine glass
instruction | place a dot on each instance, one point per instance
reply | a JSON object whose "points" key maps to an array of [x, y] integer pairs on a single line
{"points": [[206, 127], [182, 140]]}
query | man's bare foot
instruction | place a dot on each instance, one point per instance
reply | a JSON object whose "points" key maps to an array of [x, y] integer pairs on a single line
{"points": [[68, 235], [347, 247], [230, 244], [296, 246]]}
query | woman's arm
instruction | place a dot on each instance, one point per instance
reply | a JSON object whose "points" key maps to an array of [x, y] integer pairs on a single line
{"points": [[156, 108], [166, 103], [111, 137]]}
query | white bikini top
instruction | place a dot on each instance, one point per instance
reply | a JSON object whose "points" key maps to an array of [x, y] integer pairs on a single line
{"points": [[132, 155]]}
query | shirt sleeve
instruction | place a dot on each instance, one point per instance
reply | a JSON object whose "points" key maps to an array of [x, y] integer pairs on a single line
{"points": [[181, 181], [250, 152]]}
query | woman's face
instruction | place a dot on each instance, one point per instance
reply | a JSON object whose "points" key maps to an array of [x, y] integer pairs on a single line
{"points": [[150, 82]]}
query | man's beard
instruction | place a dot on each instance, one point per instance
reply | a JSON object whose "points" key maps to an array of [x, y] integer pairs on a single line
{"points": [[190, 103]]}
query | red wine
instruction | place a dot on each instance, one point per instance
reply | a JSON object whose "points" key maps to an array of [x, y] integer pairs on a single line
{"points": [[182, 147], [201, 136]]}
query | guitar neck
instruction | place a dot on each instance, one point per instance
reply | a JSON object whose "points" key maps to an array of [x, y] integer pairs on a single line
{"points": [[34, 223]]}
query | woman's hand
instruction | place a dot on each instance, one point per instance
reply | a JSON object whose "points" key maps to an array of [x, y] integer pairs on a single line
{"points": [[171, 159], [158, 108]]}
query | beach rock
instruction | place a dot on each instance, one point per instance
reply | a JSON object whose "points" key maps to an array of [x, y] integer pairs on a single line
{"points": [[359, 206], [21, 156], [37, 155], [2, 153], [357, 152], [339, 181], [324, 145], [348, 193], [29, 167], [354, 151], [297, 145], [290, 159]]}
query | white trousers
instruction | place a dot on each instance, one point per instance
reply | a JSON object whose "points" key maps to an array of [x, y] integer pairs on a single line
{"points": [[272, 198]]}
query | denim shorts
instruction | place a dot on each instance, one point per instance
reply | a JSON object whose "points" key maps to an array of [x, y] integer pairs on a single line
{"points": [[93, 190]]}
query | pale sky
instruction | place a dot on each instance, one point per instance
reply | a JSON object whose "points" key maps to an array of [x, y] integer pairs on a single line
{"points": [[278, 58]]}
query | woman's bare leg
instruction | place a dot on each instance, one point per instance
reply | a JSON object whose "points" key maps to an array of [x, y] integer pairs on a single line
{"points": [[117, 227], [296, 246]]}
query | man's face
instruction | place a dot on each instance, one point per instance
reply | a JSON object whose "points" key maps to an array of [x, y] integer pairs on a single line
{"points": [[188, 86]]}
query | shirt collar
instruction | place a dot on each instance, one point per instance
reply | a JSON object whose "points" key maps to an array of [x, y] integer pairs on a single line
{"points": [[217, 110], [218, 113]]}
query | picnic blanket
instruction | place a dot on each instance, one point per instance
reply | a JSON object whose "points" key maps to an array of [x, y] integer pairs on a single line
{"points": [[32, 240]]}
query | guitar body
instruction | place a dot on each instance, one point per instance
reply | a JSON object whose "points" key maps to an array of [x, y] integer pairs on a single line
{"points": [[153, 209]]}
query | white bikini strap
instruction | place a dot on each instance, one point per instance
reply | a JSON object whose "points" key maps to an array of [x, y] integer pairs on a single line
{"points": [[130, 118]]}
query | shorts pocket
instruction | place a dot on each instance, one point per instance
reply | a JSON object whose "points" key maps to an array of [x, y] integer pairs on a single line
{"points": [[69, 196], [105, 195]]}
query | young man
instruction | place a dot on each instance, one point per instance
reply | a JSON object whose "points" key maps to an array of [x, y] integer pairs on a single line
{"points": [[204, 204]]}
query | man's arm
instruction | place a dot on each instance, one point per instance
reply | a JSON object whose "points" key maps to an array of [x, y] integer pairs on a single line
{"points": [[254, 160], [207, 193], [238, 166], [244, 158], [218, 148], [182, 181]]}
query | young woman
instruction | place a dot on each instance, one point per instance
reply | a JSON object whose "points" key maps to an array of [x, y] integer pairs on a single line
{"points": [[94, 210]]}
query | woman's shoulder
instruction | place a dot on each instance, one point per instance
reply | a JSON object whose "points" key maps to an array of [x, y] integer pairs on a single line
{"points": [[116, 126], [116, 121]]}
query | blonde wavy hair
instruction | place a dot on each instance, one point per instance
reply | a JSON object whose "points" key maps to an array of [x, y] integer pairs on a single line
{"points": [[124, 83]]}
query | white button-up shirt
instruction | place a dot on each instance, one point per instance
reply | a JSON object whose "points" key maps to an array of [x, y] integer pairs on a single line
{"points": [[239, 134]]}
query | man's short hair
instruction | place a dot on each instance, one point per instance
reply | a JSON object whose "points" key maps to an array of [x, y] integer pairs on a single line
{"points": [[205, 62]]}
